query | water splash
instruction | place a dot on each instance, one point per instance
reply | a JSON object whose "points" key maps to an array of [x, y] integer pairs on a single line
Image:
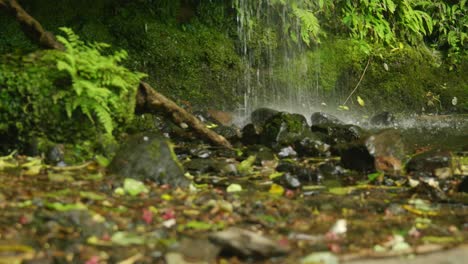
{"points": [[275, 59]]}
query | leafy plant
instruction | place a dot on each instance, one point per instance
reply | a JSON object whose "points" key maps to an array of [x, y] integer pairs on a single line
{"points": [[100, 88]]}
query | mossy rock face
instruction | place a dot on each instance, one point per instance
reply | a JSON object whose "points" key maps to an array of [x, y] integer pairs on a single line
{"points": [[148, 156], [284, 129], [261, 115]]}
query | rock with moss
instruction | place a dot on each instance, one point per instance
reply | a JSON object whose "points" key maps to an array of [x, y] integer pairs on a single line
{"points": [[284, 129], [148, 156], [260, 116]]}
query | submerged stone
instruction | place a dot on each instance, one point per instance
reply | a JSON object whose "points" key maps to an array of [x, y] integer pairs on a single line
{"points": [[148, 156], [433, 163]]}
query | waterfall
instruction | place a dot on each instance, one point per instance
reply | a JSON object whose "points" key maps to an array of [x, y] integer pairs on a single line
{"points": [[277, 66]]}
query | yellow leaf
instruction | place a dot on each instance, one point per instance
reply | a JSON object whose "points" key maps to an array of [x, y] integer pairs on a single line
{"points": [[360, 101], [276, 189]]}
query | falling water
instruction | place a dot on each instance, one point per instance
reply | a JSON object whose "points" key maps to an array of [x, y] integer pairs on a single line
{"points": [[274, 63]]}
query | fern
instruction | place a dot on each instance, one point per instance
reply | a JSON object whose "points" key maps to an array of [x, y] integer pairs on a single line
{"points": [[101, 89], [310, 27]]}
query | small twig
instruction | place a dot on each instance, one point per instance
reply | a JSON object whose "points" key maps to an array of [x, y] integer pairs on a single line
{"points": [[360, 80]]}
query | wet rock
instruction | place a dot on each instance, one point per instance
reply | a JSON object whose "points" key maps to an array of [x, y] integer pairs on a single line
{"points": [[194, 251], [229, 132], [388, 149], [56, 154], [433, 163], [203, 166], [260, 116], [379, 152], [330, 171], [428, 190], [284, 129], [463, 186], [148, 156], [312, 146], [383, 119], [200, 151], [357, 157], [304, 174], [250, 135], [320, 118], [287, 152], [246, 243], [334, 134], [288, 180]]}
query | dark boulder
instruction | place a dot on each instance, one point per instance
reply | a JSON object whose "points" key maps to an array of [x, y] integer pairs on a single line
{"points": [[148, 156], [334, 134], [357, 157], [284, 129], [320, 118], [260, 116], [463, 186], [383, 119], [250, 135], [432, 163], [383, 151]]}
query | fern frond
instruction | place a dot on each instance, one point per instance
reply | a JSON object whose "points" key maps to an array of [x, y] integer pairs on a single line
{"points": [[104, 118], [310, 27]]}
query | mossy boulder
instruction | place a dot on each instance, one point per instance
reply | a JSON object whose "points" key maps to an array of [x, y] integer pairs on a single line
{"points": [[284, 129], [148, 156], [260, 116]]}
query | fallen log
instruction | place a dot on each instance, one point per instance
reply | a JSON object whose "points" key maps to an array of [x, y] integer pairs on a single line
{"points": [[147, 97], [30, 26]]}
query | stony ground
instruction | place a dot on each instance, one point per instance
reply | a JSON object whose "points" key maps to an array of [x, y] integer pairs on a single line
{"points": [[82, 215]]}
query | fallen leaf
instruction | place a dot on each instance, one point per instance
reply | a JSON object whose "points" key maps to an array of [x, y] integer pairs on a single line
{"points": [[234, 188]]}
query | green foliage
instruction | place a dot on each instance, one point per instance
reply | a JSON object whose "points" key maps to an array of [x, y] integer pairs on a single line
{"points": [[386, 21], [193, 62], [64, 96], [100, 88], [450, 27]]}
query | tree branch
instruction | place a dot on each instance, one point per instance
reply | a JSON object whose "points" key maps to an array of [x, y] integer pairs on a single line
{"points": [[30, 26]]}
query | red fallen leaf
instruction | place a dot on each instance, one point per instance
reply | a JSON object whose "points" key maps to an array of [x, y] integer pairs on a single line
{"points": [[284, 242], [24, 220], [93, 260], [289, 193], [169, 214], [106, 237], [147, 216]]}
